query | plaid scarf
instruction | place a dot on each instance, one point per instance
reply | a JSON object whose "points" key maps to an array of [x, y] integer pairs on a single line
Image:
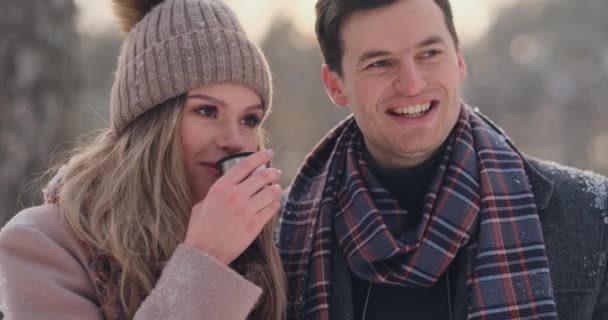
{"points": [[479, 200], [106, 278]]}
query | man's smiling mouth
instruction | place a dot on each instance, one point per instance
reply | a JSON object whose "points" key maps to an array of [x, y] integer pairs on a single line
{"points": [[412, 111]]}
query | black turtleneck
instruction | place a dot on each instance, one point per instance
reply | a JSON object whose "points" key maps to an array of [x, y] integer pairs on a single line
{"points": [[388, 302]]}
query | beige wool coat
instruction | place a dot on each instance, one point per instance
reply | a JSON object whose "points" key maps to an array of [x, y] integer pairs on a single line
{"points": [[44, 275]]}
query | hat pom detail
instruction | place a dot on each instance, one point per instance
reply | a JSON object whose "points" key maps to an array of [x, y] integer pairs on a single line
{"points": [[130, 12]]}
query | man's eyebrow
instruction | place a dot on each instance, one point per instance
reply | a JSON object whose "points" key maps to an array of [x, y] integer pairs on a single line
{"points": [[430, 41], [379, 53], [372, 54]]}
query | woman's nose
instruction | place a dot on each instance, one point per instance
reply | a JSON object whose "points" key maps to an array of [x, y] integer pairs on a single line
{"points": [[230, 139]]}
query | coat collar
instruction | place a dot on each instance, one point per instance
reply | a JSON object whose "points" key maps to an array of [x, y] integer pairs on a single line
{"points": [[542, 187]]}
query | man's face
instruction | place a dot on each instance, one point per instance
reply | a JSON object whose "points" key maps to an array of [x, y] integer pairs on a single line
{"points": [[401, 78]]}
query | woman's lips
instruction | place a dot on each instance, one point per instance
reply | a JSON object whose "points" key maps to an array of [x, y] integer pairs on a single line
{"points": [[211, 168]]}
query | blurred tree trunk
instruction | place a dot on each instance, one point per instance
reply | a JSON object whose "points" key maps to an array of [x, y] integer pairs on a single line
{"points": [[38, 89]]}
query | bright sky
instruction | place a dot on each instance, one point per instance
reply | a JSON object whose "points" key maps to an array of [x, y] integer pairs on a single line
{"points": [[473, 17]]}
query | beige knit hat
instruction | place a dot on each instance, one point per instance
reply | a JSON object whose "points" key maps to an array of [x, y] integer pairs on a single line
{"points": [[173, 46]]}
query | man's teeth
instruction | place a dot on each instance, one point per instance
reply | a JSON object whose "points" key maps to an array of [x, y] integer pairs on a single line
{"points": [[413, 110]]}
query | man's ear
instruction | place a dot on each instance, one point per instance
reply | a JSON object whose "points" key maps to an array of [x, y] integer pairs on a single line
{"points": [[462, 65], [333, 86]]}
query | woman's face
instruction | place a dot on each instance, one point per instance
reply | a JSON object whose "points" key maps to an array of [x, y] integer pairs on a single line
{"points": [[218, 120]]}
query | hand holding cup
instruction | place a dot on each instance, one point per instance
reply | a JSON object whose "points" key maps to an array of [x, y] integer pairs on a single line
{"points": [[236, 208]]}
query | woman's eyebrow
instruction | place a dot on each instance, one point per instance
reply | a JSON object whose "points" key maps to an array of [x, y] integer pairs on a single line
{"points": [[208, 98], [221, 102]]}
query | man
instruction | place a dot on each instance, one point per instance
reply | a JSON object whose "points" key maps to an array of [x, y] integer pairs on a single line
{"points": [[417, 206]]}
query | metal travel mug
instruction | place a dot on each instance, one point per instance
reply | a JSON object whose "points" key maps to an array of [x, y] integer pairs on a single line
{"points": [[229, 161]]}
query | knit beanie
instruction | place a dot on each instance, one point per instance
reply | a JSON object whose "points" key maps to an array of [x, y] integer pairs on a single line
{"points": [[174, 46]]}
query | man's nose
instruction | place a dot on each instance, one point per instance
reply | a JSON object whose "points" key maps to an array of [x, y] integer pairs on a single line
{"points": [[410, 79]]}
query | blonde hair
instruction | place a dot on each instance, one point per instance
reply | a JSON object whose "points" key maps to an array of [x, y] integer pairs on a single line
{"points": [[127, 197]]}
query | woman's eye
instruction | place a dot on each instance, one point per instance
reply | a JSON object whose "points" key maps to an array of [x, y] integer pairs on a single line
{"points": [[251, 121], [208, 111]]}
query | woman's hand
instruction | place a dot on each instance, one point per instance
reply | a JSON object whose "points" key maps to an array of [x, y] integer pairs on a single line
{"points": [[235, 209]]}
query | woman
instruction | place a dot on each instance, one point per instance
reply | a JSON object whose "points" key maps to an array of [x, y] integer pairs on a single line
{"points": [[138, 223]]}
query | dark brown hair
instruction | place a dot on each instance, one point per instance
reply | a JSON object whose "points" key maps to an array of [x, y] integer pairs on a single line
{"points": [[331, 15]]}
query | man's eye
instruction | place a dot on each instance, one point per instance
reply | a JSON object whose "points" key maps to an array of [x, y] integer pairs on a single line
{"points": [[379, 64], [208, 111], [251, 121], [430, 53]]}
